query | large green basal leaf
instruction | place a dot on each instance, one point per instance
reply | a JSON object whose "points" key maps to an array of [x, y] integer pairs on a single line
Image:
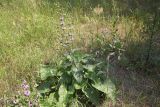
{"points": [[46, 72], [90, 68], [45, 103], [78, 73], [66, 79], [92, 94], [80, 85], [52, 99], [45, 86], [107, 86], [92, 76], [77, 86], [78, 76], [64, 96]]}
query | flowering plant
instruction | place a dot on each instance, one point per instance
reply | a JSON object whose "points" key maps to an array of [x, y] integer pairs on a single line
{"points": [[24, 97], [77, 79]]}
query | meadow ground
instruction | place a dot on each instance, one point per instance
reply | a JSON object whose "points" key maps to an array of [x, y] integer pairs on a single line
{"points": [[30, 32]]}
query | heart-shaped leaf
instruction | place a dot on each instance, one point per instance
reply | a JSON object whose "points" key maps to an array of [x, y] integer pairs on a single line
{"points": [[92, 94], [107, 86], [45, 86], [46, 72]]}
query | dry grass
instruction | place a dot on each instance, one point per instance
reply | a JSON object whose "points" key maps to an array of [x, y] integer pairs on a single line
{"points": [[134, 90], [28, 37]]}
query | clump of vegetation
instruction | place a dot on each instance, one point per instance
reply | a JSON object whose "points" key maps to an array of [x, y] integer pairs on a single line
{"points": [[78, 78]]}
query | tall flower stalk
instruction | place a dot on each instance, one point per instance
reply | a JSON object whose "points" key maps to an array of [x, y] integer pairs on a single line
{"points": [[26, 88], [66, 39]]}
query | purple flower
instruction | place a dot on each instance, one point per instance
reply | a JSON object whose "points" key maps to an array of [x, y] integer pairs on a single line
{"points": [[26, 86], [26, 92]]}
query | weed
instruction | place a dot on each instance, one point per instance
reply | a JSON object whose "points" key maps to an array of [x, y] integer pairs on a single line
{"points": [[76, 74]]}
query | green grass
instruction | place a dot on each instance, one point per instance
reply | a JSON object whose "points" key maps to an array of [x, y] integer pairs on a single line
{"points": [[29, 30]]}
